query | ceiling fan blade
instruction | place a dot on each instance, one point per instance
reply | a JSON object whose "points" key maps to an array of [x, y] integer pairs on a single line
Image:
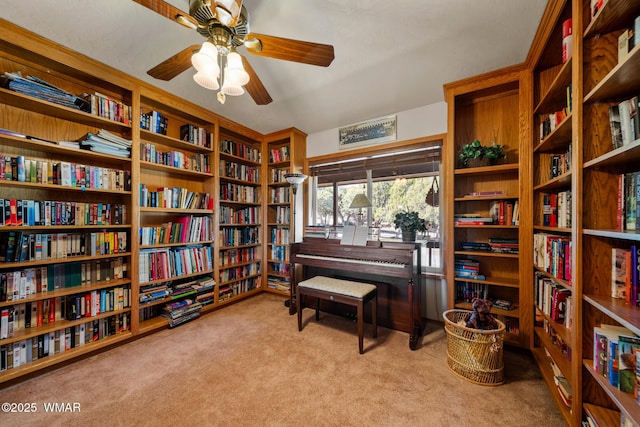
{"points": [[170, 12], [290, 50], [175, 65], [255, 87]]}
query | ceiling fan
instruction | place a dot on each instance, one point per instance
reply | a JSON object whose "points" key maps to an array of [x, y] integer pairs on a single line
{"points": [[225, 25]]}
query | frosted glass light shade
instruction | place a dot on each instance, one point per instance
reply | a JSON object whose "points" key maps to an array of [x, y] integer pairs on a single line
{"points": [[231, 86], [207, 80], [205, 57], [236, 70]]}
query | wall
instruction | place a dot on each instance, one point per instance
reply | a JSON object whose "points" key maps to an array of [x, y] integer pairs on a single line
{"points": [[419, 122], [423, 121]]}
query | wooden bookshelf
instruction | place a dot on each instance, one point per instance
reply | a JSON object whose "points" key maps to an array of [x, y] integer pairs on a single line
{"points": [[286, 151], [488, 108]]}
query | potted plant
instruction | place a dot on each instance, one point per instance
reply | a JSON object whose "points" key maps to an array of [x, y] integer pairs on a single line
{"points": [[475, 154], [409, 223]]}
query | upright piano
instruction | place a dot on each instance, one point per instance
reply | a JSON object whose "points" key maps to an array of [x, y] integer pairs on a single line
{"points": [[394, 267]]}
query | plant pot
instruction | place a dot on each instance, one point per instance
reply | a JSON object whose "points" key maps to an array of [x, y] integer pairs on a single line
{"points": [[477, 163], [408, 236]]}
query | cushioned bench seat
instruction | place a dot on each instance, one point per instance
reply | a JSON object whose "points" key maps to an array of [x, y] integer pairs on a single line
{"points": [[349, 292]]}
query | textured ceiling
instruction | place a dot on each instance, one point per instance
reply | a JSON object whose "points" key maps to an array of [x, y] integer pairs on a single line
{"points": [[391, 56]]}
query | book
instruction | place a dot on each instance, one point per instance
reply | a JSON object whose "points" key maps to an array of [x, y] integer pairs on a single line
{"points": [[615, 126], [620, 272], [627, 347]]}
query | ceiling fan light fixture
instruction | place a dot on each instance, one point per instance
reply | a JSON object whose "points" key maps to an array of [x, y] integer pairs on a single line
{"points": [[227, 11], [231, 88]]}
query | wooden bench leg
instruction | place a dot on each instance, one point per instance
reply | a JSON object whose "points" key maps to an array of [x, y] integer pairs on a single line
{"points": [[374, 316], [300, 307], [361, 326], [317, 308]]}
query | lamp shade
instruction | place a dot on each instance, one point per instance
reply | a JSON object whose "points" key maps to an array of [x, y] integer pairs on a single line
{"points": [[206, 58], [360, 201], [295, 178]]}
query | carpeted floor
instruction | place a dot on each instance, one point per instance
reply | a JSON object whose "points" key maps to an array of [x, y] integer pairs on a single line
{"points": [[247, 365]]}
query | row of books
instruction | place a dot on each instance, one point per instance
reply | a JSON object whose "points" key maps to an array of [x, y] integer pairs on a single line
{"points": [[175, 198], [624, 274], [624, 122], [21, 284], [556, 209], [552, 254], [280, 154], [18, 246], [511, 324], [17, 212], [239, 272], [280, 252], [280, 236], [549, 122], [553, 299], [282, 268], [18, 353], [197, 162], [239, 236], [280, 195], [247, 215], [154, 292], [550, 328], [628, 209], [239, 171], [196, 135], [628, 39], [185, 229], [560, 164], [230, 290], [468, 291], [278, 175], [283, 215], [154, 121], [14, 319], [240, 149], [236, 256], [41, 89], [505, 212], [158, 264], [495, 245], [616, 356], [22, 169], [107, 107], [562, 385], [233, 192], [467, 269]]}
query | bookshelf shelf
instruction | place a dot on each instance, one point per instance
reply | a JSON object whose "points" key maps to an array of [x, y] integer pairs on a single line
{"points": [[169, 141], [618, 157], [488, 170], [492, 280], [556, 354], [514, 312], [54, 187], [171, 245], [625, 401], [602, 416], [621, 80], [175, 211], [174, 170], [619, 310], [555, 98], [41, 262], [562, 181], [50, 109]]}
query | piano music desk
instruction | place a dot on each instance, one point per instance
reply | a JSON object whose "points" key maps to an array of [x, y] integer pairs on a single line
{"points": [[348, 292]]}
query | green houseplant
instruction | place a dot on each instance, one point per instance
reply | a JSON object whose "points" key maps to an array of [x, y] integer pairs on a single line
{"points": [[476, 154], [410, 223]]}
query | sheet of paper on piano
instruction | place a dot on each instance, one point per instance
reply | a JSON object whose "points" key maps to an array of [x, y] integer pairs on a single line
{"points": [[354, 235]]}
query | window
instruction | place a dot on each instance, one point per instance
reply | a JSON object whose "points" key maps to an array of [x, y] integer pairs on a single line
{"points": [[392, 180]]}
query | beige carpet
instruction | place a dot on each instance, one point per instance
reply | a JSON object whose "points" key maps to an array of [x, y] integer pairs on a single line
{"points": [[247, 365]]}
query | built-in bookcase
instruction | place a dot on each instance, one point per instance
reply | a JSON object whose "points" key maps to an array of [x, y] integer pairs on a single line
{"points": [[66, 218], [488, 255], [553, 273], [607, 81], [176, 206], [286, 151], [240, 216]]}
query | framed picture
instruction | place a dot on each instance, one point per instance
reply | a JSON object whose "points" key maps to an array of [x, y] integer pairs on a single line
{"points": [[372, 131]]}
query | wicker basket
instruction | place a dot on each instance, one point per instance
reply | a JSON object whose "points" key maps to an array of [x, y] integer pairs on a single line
{"points": [[474, 354]]}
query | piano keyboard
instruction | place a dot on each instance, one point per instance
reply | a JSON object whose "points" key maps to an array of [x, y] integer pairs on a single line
{"points": [[353, 260]]}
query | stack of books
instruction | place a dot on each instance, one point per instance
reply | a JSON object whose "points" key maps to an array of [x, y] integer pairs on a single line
{"points": [[154, 292], [38, 88], [105, 142], [179, 312], [467, 269]]}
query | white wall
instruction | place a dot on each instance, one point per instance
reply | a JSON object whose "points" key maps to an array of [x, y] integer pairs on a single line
{"points": [[419, 122], [423, 121]]}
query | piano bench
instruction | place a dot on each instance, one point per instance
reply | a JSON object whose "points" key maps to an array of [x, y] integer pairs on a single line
{"points": [[348, 292]]}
